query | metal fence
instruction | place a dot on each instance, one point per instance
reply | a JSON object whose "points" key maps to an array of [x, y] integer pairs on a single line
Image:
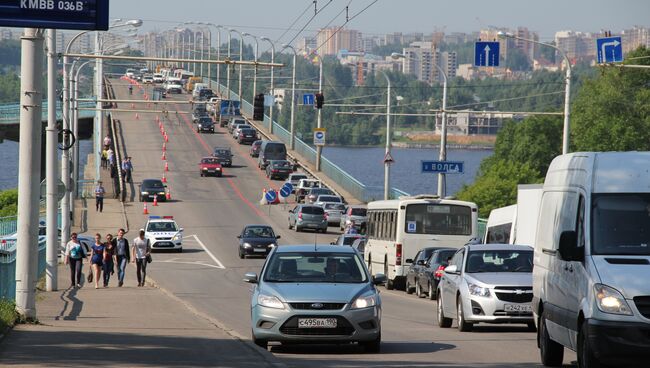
{"points": [[8, 270], [10, 113]]}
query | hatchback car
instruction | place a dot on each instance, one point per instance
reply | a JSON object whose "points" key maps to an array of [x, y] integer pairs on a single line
{"points": [[295, 178], [308, 217], [278, 169], [333, 211], [255, 148], [355, 214], [416, 265], [491, 283], [428, 278], [205, 124], [256, 240], [151, 188], [224, 155], [308, 294], [247, 136], [314, 193]]}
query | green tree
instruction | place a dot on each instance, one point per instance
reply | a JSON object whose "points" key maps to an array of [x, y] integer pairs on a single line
{"points": [[8, 202]]}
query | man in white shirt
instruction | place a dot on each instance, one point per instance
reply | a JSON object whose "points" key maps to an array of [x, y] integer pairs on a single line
{"points": [[141, 250]]}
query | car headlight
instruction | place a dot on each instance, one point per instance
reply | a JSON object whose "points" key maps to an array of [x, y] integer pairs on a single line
{"points": [[478, 290], [272, 245], [610, 300], [218, 169], [178, 236], [145, 193], [269, 301], [205, 168], [365, 302], [247, 245], [200, 126], [161, 193]]}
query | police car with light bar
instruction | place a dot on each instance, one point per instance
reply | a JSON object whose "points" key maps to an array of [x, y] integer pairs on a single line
{"points": [[164, 233]]}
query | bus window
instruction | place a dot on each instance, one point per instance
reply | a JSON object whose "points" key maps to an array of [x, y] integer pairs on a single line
{"points": [[441, 219]]}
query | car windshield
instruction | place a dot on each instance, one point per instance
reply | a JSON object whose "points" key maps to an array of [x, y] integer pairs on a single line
{"points": [[328, 198], [281, 164], [248, 131], [222, 152], [258, 232], [206, 120], [152, 184], [315, 267], [348, 240], [297, 178], [319, 191], [359, 212], [313, 210], [621, 224], [334, 206], [499, 261], [438, 219], [209, 161], [161, 226]]}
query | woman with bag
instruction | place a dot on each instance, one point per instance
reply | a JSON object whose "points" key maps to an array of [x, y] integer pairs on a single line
{"points": [[97, 259], [141, 255], [74, 255], [109, 254]]}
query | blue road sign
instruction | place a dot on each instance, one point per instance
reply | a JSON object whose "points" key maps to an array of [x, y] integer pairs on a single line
{"points": [[444, 167], [271, 196], [308, 99], [57, 14], [486, 53], [286, 190], [609, 50]]}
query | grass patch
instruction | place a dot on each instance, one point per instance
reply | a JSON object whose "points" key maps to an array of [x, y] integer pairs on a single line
{"points": [[8, 314]]}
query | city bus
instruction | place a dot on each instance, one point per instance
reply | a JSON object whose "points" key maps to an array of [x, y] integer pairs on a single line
{"points": [[397, 229]]}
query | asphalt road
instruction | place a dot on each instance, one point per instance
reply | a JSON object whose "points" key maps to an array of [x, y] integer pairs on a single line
{"points": [[207, 275]]}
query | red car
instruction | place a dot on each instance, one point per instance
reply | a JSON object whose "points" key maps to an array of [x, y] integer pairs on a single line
{"points": [[210, 166]]}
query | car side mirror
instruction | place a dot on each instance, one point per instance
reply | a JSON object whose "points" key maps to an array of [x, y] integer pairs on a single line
{"points": [[290, 211], [250, 277], [181, 229], [453, 269], [277, 236], [238, 236], [379, 279], [409, 260], [569, 250], [420, 263]]}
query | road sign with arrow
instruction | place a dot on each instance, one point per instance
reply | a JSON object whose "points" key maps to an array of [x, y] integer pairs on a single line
{"points": [[609, 50], [486, 53]]}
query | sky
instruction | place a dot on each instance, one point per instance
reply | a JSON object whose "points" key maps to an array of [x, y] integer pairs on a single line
{"points": [[272, 18]]}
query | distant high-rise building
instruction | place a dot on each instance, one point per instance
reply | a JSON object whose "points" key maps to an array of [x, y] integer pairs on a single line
{"points": [[331, 42], [635, 37], [578, 46], [528, 48], [421, 58], [308, 44]]}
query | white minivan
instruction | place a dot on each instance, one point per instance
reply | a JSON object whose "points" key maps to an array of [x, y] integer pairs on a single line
{"points": [[591, 274]]}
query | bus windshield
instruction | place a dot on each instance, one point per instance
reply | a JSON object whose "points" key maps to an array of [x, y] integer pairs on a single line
{"points": [[438, 219]]}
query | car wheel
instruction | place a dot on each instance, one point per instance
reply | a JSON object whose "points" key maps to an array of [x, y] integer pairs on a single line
{"points": [[298, 229], [264, 344], [407, 287], [551, 353], [586, 358], [241, 254], [390, 284], [418, 290], [220, 174], [463, 325], [201, 174], [179, 250], [373, 346], [531, 326], [443, 321], [290, 227], [432, 294]]}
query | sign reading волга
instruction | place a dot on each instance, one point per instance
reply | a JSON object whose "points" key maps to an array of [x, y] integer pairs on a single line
{"points": [[57, 14]]}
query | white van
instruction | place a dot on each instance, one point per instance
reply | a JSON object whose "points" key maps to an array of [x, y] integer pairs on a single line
{"points": [[501, 225], [591, 275]]}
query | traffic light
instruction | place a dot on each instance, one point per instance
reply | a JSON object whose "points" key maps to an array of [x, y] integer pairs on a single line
{"points": [[258, 107], [320, 100]]}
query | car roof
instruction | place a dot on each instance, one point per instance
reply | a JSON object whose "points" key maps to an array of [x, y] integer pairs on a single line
{"points": [[257, 225], [325, 248], [480, 247]]}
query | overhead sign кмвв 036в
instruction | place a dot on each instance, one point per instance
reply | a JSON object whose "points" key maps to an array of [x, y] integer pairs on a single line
{"points": [[57, 14]]}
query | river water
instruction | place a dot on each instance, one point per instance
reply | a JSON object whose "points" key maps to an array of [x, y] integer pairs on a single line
{"points": [[365, 163]]}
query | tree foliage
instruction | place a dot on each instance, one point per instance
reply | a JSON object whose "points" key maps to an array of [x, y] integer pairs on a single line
{"points": [[8, 202]]}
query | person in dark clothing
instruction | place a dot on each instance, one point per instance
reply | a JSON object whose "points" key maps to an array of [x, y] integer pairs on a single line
{"points": [[97, 258], [122, 255], [109, 253]]}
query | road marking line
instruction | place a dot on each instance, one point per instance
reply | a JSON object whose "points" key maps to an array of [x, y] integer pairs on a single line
{"points": [[209, 253], [193, 263]]}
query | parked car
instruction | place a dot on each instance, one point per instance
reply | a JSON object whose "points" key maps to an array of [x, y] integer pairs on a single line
{"points": [[205, 124], [305, 216], [329, 198], [278, 169], [314, 193], [247, 136], [490, 283], [271, 150], [223, 155], [333, 210], [346, 239], [416, 265], [150, 188], [255, 148], [428, 278], [256, 240], [360, 246], [304, 185], [355, 214], [210, 166], [295, 178], [308, 293]]}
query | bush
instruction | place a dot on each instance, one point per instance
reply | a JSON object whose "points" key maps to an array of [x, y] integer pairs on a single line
{"points": [[8, 202], [8, 314]]}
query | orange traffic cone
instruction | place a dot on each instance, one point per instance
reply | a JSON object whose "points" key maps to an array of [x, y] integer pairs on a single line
{"points": [[164, 146], [133, 106], [277, 196], [168, 196], [137, 116], [166, 139], [166, 166], [155, 200], [164, 179], [145, 211], [164, 157]]}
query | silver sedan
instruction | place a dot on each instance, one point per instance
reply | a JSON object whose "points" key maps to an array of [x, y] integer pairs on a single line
{"points": [[308, 293], [490, 283]]}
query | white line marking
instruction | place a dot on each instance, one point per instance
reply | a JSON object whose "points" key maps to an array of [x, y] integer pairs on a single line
{"points": [[219, 264], [192, 263]]}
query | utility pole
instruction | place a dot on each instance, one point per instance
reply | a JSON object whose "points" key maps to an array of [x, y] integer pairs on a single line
{"points": [[51, 164], [389, 136], [29, 165], [319, 122]]}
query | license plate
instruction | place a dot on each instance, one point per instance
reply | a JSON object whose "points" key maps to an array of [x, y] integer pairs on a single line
{"points": [[249, 136], [518, 308], [316, 322], [312, 225], [259, 250]]}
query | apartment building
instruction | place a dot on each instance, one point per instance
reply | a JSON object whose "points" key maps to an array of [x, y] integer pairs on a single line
{"points": [[421, 58], [333, 40]]}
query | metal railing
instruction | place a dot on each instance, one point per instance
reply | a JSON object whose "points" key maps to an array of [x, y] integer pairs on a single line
{"points": [[10, 113], [86, 188], [8, 269]]}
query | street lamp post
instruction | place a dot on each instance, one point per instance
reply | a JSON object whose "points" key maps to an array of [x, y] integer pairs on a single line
{"points": [[272, 85], [254, 75], [228, 66], [567, 87], [319, 121], [389, 137], [292, 139]]}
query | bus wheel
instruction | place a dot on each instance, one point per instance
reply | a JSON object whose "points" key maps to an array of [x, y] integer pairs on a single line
{"points": [[390, 284]]}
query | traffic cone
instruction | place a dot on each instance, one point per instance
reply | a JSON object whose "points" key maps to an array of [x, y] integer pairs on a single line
{"points": [[164, 179], [164, 146], [145, 211], [277, 196], [164, 156], [263, 200], [155, 200], [132, 105], [137, 116], [166, 139], [166, 166], [168, 196]]}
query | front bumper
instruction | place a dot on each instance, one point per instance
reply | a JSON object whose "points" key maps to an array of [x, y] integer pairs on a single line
{"points": [[207, 129], [620, 343], [149, 197], [282, 324], [492, 310], [211, 172], [256, 250], [166, 244]]}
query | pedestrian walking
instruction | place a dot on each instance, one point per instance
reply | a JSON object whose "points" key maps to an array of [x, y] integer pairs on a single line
{"points": [[107, 141], [108, 261], [99, 196], [141, 251], [122, 256], [104, 157], [110, 155], [127, 169], [74, 255], [97, 259]]}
